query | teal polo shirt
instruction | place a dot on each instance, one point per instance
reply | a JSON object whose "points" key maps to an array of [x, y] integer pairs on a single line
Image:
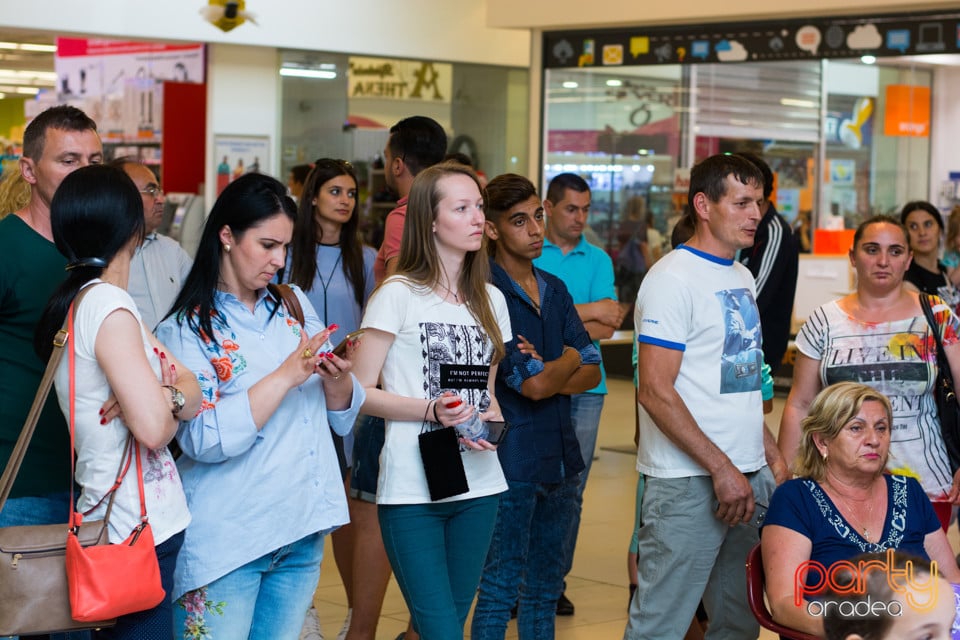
{"points": [[587, 271]]}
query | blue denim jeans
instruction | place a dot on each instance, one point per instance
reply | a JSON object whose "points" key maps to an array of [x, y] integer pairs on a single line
{"points": [[52, 508], [437, 550], [156, 623], [532, 523], [585, 409], [369, 434], [265, 599]]}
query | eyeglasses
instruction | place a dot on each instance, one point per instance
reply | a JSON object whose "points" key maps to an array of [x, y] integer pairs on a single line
{"points": [[152, 190]]}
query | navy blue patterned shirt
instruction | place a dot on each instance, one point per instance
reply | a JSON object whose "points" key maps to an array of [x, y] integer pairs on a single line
{"points": [[541, 445]]}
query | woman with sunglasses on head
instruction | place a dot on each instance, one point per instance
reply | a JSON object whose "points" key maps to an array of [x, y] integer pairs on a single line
{"points": [[329, 262], [126, 383], [258, 466], [434, 336]]}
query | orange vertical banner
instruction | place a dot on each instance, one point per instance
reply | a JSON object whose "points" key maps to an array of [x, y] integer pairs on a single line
{"points": [[907, 111]]}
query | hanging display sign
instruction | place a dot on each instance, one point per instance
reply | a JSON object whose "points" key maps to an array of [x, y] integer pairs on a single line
{"points": [[94, 67], [834, 37], [389, 79]]}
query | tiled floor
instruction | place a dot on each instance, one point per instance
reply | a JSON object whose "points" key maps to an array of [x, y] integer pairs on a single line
{"points": [[598, 582]]}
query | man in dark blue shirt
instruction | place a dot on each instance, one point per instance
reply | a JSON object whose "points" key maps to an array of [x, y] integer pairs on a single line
{"points": [[549, 358]]}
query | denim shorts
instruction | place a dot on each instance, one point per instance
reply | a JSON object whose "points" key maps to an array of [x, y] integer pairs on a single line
{"points": [[369, 433]]}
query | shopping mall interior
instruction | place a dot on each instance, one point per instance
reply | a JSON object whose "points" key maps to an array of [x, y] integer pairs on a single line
{"points": [[855, 105]]}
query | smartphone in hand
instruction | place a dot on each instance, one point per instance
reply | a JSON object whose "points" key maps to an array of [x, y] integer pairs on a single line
{"points": [[341, 349], [498, 431], [759, 514]]}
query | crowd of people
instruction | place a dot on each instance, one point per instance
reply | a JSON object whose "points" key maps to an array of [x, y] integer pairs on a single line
{"points": [[484, 306]]}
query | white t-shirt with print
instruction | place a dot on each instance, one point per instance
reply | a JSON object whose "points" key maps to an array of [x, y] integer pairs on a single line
{"points": [[705, 307], [100, 447], [437, 345], [899, 360]]}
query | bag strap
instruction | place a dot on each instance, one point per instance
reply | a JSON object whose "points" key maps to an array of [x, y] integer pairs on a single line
{"points": [[283, 293], [943, 364], [10, 472], [76, 518]]}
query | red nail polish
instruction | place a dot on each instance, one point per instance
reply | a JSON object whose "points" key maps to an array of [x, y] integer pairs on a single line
{"points": [[103, 421], [453, 405], [163, 356], [155, 350], [173, 367], [333, 327], [101, 411]]}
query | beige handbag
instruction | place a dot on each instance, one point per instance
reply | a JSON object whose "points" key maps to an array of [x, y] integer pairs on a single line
{"points": [[33, 579]]}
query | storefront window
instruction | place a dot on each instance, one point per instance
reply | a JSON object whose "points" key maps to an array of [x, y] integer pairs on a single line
{"points": [[343, 106], [846, 138]]}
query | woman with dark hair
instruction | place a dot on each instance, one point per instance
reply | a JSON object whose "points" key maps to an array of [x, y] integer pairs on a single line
{"points": [[97, 221], [879, 335], [434, 335], [926, 273], [258, 463], [329, 262]]}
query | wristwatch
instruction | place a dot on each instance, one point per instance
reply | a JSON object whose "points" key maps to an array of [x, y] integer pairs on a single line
{"points": [[176, 397]]}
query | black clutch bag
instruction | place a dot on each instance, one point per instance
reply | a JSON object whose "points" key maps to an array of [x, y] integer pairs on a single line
{"points": [[442, 464]]}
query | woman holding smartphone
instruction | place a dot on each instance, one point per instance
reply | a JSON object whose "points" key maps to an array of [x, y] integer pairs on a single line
{"points": [[335, 270], [436, 325], [258, 464]]}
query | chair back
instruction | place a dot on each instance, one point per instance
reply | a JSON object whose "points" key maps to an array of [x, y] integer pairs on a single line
{"points": [[758, 605]]}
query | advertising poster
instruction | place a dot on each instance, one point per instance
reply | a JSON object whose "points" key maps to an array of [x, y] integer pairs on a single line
{"points": [[237, 155]]}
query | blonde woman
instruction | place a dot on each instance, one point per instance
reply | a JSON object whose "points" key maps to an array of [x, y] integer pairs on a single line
{"points": [[436, 325]]}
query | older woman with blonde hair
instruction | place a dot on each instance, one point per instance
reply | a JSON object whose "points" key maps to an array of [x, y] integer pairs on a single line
{"points": [[843, 503]]}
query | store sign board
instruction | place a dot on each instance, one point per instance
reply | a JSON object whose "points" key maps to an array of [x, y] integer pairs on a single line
{"points": [[834, 37], [389, 79], [96, 67], [907, 111]]}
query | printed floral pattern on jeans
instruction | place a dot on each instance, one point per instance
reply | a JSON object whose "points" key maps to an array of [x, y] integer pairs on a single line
{"points": [[198, 607]]}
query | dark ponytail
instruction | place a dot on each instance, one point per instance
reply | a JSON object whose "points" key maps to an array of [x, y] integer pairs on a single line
{"points": [[94, 213]]}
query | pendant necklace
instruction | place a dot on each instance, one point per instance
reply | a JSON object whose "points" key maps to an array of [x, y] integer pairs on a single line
{"points": [[326, 283], [866, 529]]}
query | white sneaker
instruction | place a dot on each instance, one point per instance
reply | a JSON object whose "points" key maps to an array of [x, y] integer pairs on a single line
{"points": [[346, 625], [311, 626]]}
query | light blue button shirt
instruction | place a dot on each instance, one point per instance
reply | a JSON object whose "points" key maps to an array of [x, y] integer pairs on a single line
{"points": [[253, 491]]}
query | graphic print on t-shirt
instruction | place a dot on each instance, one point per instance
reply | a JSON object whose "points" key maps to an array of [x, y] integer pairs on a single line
{"points": [[742, 358], [447, 345], [896, 364]]}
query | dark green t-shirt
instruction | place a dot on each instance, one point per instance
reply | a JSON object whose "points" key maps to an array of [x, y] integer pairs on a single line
{"points": [[31, 268]]}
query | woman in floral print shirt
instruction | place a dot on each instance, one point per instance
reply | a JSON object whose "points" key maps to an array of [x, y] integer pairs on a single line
{"points": [[258, 466]]}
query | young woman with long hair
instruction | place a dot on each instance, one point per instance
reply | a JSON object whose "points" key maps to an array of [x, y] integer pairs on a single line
{"points": [[329, 262], [434, 335]]}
